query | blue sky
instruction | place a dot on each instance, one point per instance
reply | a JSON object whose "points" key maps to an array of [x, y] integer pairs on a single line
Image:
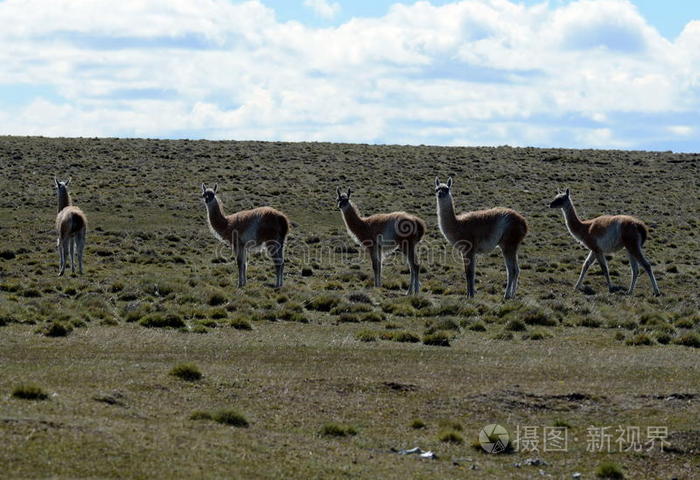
{"points": [[563, 73]]}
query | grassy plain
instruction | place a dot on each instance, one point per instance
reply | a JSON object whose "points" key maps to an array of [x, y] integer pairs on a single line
{"points": [[326, 377]]}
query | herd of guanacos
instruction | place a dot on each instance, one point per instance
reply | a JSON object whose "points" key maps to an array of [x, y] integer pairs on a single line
{"points": [[470, 233]]}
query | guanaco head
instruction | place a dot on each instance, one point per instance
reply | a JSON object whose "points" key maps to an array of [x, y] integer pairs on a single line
{"points": [[560, 200], [209, 194], [343, 198], [442, 190], [62, 187]]}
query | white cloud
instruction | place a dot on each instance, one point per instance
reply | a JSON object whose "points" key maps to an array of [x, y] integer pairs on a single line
{"points": [[590, 73], [323, 8]]}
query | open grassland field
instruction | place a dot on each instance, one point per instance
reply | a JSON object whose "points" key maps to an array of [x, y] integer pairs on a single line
{"points": [[324, 377]]}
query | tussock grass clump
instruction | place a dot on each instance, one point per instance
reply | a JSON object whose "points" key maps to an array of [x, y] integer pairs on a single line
{"points": [[372, 317], [158, 320], [590, 322], [438, 339], [451, 436], [360, 297], [404, 337], [292, 315], [241, 324], [323, 303], [218, 313], [366, 336], [230, 417], [348, 318], [351, 308], [418, 424], [29, 392], [503, 335], [515, 325], [537, 335], [477, 327], [609, 470], [200, 415], [337, 430], [538, 316], [216, 299], [446, 324], [686, 323], [56, 329], [688, 340], [640, 339], [186, 371], [664, 338], [7, 254], [400, 309]]}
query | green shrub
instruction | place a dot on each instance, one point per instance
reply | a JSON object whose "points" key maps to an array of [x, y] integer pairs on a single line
{"points": [[348, 318], [477, 327], [216, 299], [418, 424], [29, 392], [158, 320], [640, 339], [405, 337], [360, 297], [590, 322], [503, 335], [323, 303], [515, 325], [218, 313], [536, 335], [230, 417], [186, 371], [451, 436], [439, 339], [200, 415], [241, 324], [609, 470], [399, 309], [366, 336], [56, 329], [337, 430], [664, 338], [688, 340], [372, 317]]}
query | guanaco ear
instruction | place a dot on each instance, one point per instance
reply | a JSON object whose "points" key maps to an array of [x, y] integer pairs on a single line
{"points": [[216, 187], [204, 188], [437, 182], [449, 182], [337, 191], [68, 182], [567, 192], [349, 192], [55, 181]]}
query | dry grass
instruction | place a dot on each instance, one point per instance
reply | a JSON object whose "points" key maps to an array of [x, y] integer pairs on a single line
{"points": [[328, 347]]}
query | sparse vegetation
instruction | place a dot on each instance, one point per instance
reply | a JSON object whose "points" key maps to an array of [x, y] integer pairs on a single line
{"points": [[29, 392], [151, 260], [186, 371], [609, 470], [337, 430]]}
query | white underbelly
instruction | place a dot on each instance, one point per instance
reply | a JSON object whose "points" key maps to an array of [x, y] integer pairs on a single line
{"points": [[611, 241], [490, 242]]}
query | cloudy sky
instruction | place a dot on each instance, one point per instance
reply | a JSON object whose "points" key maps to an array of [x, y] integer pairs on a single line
{"points": [[576, 73]]}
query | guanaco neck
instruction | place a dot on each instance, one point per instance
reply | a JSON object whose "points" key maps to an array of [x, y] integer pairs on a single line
{"points": [[447, 219], [353, 220], [573, 223], [63, 199], [216, 217]]}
